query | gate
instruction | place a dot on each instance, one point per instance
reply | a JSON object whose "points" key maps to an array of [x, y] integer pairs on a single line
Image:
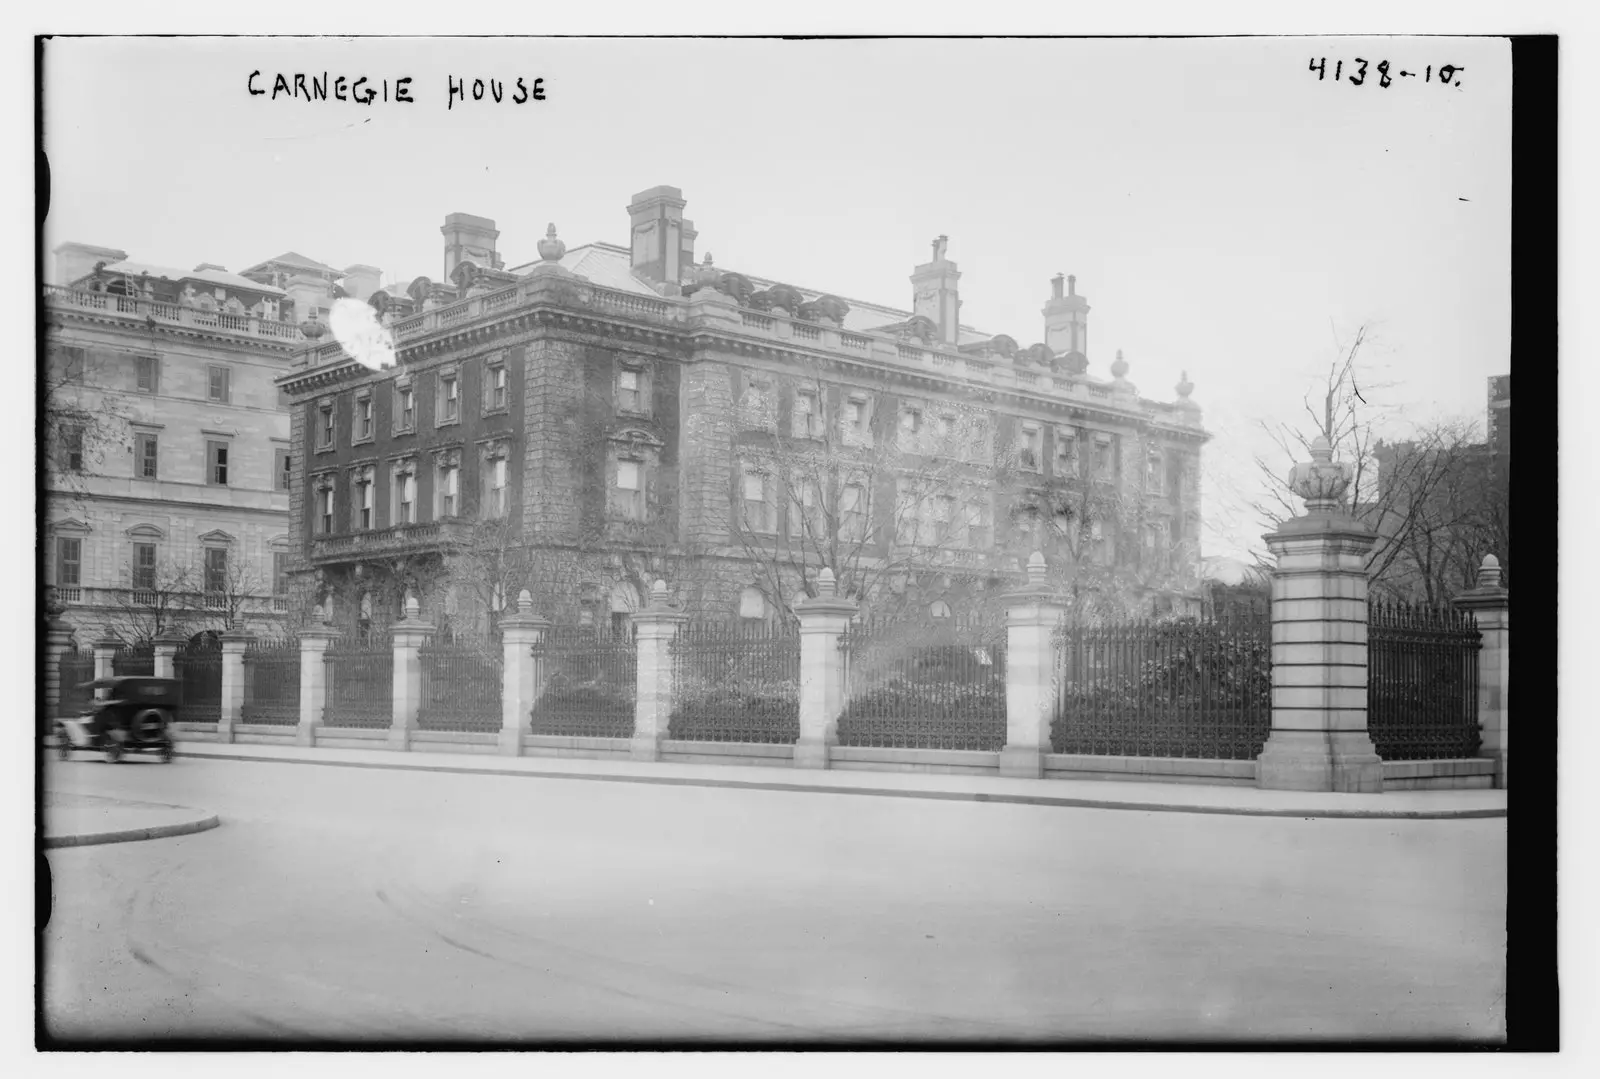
{"points": [[460, 689], [134, 659], [586, 676], [925, 683], [735, 683], [272, 683], [360, 684], [1422, 682], [1195, 688], [198, 667]]}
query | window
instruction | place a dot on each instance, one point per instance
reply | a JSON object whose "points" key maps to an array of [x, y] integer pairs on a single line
{"points": [[945, 429], [146, 456], [69, 561], [327, 509], [907, 514], [72, 436], [628, 495], [362, 502], [979, 532], [325, 427], [946, 526], [807, 419], [910, 428], [405, 409], [857, 420], [752, 605], [147, 374], [494, 495], [405, 497], [144, 567], [1066, 453], [853, 513], [1028, 447], [218, 383], [217, 463], [72, 362], [805, 511], [630, 397], [216, 569], [1154, 477], [363, 418], [280, 573], [449, 494], [283, 469], [494, 393], [449, 399], [1103, 462], [759, 511]]}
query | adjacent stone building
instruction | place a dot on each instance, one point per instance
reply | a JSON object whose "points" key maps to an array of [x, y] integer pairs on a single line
{"points": [[167, 470], [608, 414]]}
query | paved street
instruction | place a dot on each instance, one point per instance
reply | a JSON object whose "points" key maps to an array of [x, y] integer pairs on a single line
{"points": [[372, 904]]}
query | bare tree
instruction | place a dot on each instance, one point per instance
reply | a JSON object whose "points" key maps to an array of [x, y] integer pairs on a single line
{"points": [[231, 591], [159, 603], [85, 426]]}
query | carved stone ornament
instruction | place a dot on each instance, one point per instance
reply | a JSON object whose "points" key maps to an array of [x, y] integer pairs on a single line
{"points": [[786, 297], [1075, 363], [1004, 345], [550, 248], [920, 327], [1324, 481], [1119, 367], [736, 285]]}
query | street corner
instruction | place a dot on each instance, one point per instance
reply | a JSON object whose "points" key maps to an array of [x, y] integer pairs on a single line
{"points": [[80, 820]]}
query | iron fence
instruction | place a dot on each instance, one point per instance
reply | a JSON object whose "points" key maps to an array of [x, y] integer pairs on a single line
{"points": [[736, 683], [460, 688], [925, 683], [198, 667], [1422, 682], [360, 684], [75, 669], [586, 677], [1165, 688], [272, 683], [134, 659]]}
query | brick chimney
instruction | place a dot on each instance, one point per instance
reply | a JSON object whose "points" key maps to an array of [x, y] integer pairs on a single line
{"points": [[1066, 318], [360, 281], [662, 241], [469, 239]]}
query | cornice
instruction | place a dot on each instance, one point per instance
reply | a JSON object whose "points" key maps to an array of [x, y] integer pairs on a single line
{"points": [[142, 329]]}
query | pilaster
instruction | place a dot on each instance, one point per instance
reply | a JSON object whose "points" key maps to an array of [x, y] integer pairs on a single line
{"points": [[234, 643], [409, 635], [823, 620], [1032, 614], [522, 675], [314, 644], [655, 627]]}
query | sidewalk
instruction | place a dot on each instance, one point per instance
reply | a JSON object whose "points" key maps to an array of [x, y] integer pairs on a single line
{"points": [[1150, 797], [78, 820]]}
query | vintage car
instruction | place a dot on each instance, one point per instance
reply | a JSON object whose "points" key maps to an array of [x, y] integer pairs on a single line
{"points": [[135, 715]]}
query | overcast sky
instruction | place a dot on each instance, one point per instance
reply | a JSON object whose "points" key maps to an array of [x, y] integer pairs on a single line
{"points": [[1225, 211]]}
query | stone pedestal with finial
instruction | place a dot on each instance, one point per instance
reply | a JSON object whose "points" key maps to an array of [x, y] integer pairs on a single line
{"points": [[105, 654], [409, 635], [234, 644], [1490, 604], [521, 672], [314, 642], [1319, 739], [823, 620], [709, 303], [57, 640], [654, 628], [165, 648], [1032, 614]]}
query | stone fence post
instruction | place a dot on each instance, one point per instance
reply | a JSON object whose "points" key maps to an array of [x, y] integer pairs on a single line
{"points": [[1319, 739], [1032, 614], [57, 638], [314, 644], [410, 634], [521, 672], [655, 628], [234, 643], [165, 650], [105, 653], [1490, 605], [823, 619]]}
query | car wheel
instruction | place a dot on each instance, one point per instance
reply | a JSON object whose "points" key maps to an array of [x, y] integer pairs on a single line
{"points": [[113, 752]]}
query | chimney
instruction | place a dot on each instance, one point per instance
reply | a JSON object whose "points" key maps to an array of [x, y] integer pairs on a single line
{"points": [[934, 293], [361, 281], [469, 239], [662, 241], [75, 261], [1066, 319]]}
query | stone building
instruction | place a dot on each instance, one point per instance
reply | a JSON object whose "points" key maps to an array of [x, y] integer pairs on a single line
{"points": [[168, 460], [585, 422]]}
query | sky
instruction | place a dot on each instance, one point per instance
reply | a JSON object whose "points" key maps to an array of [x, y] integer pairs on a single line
{"points": [[1226, 212]]}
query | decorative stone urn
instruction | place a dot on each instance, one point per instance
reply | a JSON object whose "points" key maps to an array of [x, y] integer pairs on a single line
{"points": [[551, 249], [1322, 481]]}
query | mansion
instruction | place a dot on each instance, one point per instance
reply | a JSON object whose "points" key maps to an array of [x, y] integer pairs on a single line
{"points": [[604, 415]]}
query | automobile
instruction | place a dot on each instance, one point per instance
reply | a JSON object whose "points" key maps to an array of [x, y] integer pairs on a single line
{"points": [[134, 716]]}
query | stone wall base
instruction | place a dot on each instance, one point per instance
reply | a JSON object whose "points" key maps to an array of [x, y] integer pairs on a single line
{"points": [[810, 755], [1022, 763], [1341, 761]]}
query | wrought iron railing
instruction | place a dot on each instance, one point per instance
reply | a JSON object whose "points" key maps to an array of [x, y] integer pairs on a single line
{"points": [[360, 684], [198, 666], [1422, 682], [134, 659], [1164, 688], [736, 683], [924, 683], [460, 689], [272, 683], [586, 677]]}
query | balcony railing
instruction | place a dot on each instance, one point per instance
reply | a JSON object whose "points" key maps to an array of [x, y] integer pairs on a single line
{"points": [[427, 535], [91, 596], [171, 313]]}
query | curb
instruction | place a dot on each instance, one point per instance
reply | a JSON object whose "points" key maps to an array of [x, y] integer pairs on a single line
{"points": [[1064, 801], [131, 835]]}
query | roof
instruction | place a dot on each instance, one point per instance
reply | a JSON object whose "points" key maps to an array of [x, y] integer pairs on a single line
{"points": [[210, 277], [611, 267], [294, 258]]}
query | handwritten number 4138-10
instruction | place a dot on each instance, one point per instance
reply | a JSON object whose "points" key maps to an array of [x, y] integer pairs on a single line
{"points": [[1385, 75]]}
